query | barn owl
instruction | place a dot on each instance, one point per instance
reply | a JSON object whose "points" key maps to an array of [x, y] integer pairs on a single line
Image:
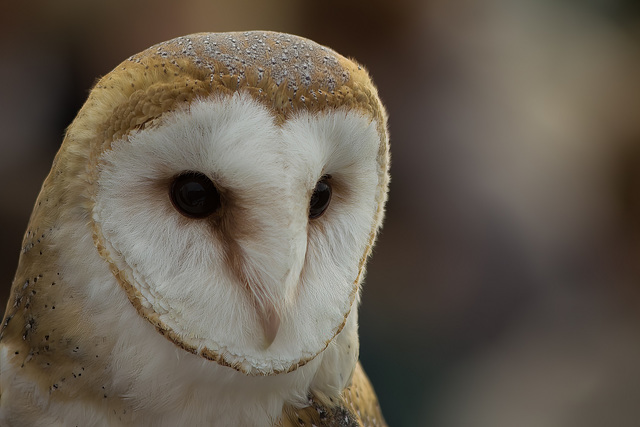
{"points": [[195, 255]]}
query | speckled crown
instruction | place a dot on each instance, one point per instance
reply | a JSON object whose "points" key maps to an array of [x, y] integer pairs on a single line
{"points": [[282, 71]]}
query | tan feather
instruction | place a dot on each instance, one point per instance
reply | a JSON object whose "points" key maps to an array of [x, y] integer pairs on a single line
{"points": [[358, 407]]}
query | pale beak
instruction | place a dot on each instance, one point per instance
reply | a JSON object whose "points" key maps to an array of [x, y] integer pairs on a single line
{"points": [[270, 322]]}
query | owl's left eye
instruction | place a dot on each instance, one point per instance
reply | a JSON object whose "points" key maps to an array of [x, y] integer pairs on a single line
{"points": [[194, 195]]}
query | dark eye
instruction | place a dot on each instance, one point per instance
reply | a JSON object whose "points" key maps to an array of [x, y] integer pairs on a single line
{"points": [[194, 195], [320, 198]]}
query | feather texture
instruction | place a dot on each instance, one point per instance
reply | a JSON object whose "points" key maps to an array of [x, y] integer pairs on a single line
{"points": [[126, 312]]}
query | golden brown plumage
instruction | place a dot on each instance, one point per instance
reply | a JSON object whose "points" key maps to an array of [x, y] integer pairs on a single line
{"points": [[358, 407]]}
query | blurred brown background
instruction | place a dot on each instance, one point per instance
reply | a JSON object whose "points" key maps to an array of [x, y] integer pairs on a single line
{"points": [[504, 290]]}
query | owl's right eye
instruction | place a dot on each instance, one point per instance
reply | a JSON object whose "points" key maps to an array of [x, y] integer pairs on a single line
{"points": [[194, 195], [320, 198]]}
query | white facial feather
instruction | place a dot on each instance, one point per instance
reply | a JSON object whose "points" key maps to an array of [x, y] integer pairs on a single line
{"points": [[308, 269]]}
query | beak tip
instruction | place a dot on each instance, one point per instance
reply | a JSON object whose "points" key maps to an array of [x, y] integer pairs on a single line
{"points": [[270, 322]]}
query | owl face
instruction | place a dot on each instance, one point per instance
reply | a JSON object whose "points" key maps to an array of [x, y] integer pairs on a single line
{"points": [[234, 185], [242, 238]]}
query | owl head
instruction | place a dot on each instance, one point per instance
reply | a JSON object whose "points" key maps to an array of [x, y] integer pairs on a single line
{"points": [[234, 185]]}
